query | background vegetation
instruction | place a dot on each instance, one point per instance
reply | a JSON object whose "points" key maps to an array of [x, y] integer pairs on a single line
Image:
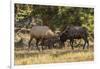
{"points": [[56, 16]]}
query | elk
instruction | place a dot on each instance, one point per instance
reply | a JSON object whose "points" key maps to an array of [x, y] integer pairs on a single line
{"points": [[40, 33], [74, 32]]}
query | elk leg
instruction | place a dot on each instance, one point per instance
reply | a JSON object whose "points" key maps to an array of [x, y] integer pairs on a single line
{"points": [[49, 47], [37, 41], [87, 44], [85, 41], [30, 42], [42, 43], [71, 43], [62, 45], [53, 46]]}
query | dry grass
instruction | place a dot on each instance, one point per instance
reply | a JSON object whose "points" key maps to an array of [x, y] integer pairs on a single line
{"points": [[23, 57]]}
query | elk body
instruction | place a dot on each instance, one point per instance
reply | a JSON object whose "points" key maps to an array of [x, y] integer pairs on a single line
{"points": [[40, 33], [74, 32]]}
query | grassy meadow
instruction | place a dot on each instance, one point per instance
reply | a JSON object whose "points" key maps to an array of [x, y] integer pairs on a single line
{"points": [[24, 57]]}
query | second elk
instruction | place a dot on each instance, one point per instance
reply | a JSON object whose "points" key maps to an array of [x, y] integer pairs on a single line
{"points": [[74, 32]]}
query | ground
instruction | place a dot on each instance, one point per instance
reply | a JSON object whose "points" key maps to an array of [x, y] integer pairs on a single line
{"points": [[24, 57]]}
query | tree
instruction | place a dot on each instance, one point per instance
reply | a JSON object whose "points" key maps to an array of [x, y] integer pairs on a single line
{"points": [[56, 17]]}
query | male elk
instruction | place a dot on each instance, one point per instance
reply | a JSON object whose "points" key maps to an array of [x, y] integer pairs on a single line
{"points": [[74, 32]]}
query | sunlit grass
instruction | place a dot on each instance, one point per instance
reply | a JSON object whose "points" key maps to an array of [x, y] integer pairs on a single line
{"points": [[53, 56]]}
